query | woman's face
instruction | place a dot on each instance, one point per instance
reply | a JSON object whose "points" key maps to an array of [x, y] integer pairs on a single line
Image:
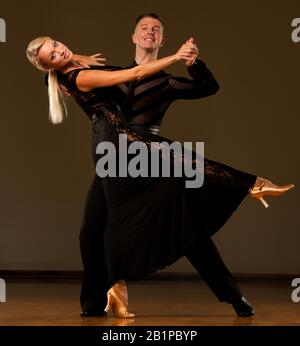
{"points": [[54, 54]]}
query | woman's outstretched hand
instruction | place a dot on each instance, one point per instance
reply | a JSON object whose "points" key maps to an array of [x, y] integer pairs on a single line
{"points": [[89, 60]]}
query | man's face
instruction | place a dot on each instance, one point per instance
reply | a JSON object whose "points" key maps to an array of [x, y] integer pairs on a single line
{"points": [[148, 34]]}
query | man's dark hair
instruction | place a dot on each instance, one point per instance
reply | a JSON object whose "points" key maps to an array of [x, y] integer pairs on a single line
{"points": [[151, 15]]}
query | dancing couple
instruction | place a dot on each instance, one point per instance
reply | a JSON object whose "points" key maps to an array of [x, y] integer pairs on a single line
{"points": [[135, 226]]}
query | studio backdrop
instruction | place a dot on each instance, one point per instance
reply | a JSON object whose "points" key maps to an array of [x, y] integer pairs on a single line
{"points": [[252, 123]]}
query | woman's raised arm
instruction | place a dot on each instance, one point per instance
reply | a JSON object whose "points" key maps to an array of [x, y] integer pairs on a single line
{"points": [[90, 79]]}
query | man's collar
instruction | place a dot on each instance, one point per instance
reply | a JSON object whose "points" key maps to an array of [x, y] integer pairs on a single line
{"points": [[133, 64]]}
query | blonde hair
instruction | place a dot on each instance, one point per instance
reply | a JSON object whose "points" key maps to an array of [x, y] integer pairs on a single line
{"points": [[57, 106]]}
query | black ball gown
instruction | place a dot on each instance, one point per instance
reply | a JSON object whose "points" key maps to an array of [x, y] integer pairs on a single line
{"points": [[151, 220]]}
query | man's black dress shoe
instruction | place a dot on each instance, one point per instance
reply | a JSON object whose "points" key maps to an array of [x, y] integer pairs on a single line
{"points": [[242, 307], [93, 313]]}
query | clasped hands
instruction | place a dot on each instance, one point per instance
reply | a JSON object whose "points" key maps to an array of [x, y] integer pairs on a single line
{"points": [[194, 52]]}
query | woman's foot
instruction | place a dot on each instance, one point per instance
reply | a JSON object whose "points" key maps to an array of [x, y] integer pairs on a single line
{"points": [[264, 187], [117, 300]]}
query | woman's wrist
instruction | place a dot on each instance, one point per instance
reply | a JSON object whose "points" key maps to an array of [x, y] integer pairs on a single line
{"points": [[176, 57]]}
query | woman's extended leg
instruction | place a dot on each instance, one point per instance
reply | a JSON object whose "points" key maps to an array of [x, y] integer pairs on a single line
{"points": [[264, 187]]}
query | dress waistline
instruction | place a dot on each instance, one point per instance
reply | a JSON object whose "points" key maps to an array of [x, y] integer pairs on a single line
{"points": [[154, 129]]}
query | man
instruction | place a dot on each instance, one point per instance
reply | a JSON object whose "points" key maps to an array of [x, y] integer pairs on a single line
{"points": [[145, 103]]}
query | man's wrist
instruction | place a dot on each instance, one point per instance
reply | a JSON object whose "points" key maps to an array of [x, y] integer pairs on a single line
{"points": [[198, 64], [194, 62]]}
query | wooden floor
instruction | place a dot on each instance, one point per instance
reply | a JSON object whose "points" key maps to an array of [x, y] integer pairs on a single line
{"points": [[155, 303]]}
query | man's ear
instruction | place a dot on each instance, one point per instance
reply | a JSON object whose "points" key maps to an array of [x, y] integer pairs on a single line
{"points": [[162, 42], [133, 38]]}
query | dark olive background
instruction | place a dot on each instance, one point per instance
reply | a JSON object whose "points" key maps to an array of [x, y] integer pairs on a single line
{"points": [[252, 123]]}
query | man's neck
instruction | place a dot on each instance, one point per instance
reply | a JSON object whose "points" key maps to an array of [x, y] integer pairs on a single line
{"points": [[144, 56]]}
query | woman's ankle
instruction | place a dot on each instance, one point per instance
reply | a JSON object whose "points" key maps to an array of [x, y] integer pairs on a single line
{"points": [[120, 284], [259, 181]]}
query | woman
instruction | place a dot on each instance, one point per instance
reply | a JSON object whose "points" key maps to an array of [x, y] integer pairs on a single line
{"points": [[155, 236]]}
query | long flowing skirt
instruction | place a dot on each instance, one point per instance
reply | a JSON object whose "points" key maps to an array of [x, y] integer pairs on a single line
{"points": [[151, 220]]}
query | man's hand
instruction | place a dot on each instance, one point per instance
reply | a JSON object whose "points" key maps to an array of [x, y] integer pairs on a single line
{"points": [[87, 61], [194, 52]]}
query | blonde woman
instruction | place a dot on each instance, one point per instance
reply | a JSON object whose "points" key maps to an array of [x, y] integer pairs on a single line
{"points": [[151, 221]]}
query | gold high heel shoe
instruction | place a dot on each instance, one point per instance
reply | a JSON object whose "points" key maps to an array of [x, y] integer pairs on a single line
{"points": [[117, 300], [266, 187]]}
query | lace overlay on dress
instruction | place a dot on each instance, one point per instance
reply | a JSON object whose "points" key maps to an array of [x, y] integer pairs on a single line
{"points": [[98, 103], [214, 170]]}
